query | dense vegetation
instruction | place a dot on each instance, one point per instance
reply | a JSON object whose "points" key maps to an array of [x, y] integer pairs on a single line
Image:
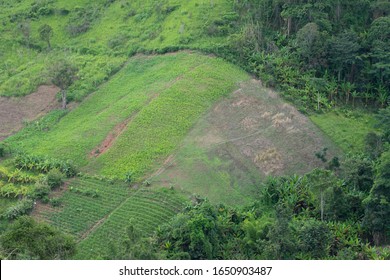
{"points": [[322, 57]]}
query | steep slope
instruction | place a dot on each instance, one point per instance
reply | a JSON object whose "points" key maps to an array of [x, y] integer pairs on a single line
{"points": [[153, 101]]}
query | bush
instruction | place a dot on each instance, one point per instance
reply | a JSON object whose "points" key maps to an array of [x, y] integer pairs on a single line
{"points": [[22, 207], [41, 190], [29, 239], [55, 202], [54, 178], [315, 238]]}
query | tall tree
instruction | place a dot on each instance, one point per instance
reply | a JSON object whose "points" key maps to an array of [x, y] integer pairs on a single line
{"points": [[45, 33], [377, 213], [63, 74]]}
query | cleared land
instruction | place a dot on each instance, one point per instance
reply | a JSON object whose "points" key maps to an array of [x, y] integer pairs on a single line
{"points": [[244, 138], [14, 112]]}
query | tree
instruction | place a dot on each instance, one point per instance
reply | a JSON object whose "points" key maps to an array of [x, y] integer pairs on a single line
{"points": [[27, 239], [377, 213], [63, 74], [321, 180], [45, 33], [343, 54]]}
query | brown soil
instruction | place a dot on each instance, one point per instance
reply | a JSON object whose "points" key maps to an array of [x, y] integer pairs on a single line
{"points": [[41, 210], [15, 111], [111, 137]]}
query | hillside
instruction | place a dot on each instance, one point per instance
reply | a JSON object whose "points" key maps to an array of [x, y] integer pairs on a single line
{"points": [[194, 129]]}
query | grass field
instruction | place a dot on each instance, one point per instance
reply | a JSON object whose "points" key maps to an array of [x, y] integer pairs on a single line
{"points": [[157, 99], [346, 130]]}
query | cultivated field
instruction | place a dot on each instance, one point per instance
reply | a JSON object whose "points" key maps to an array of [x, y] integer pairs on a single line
{"points": [[245, 137], [139, 117]]}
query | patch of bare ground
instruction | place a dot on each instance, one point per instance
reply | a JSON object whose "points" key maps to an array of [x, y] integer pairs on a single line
{"points": [[14, 111], [42, 211]]}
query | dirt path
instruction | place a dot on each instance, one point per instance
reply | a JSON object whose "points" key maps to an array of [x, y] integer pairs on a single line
{"points": [[15, 111], [121, 127]]}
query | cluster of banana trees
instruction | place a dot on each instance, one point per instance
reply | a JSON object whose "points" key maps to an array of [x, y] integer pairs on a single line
{"points": [[44, 164], [16, 176]]}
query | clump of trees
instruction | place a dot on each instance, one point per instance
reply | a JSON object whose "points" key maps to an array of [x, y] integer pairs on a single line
{"points": [[28, 239], [319, 54]]}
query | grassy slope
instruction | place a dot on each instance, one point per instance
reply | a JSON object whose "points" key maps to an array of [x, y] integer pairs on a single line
{"points": [[176, 88], [116, 31], [348, 132]]}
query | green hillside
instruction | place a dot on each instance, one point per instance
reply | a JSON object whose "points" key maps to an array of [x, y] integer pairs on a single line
{"points": [[197, 129], [157, 99], [98, 37]]}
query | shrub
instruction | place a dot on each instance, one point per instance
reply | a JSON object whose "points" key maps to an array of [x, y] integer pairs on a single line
{"points": [[22, 207], [54, 178], [55, 202], [41, 189], [32, 240]]}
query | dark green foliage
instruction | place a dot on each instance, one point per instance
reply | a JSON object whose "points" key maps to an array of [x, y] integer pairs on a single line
{"points": [[377, 214], [81, 19], [373, 145], [2, 150], [358, 173], [28, 239], [88, 192], [194, 232], [315, 238], [55, 202], [23, 207], [383, 118]]}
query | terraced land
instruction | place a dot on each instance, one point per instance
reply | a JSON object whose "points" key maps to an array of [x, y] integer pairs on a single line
{"points": [[84, 203], [145, 209], [98, 212]]}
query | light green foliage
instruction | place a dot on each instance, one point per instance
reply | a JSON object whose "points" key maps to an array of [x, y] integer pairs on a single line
{"points": [[161, 97], [144, 209], [348, 130], [100, 33]]}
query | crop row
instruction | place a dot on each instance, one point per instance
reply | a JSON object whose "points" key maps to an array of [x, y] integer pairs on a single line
{"points": [[79, 211], [145, 210]]}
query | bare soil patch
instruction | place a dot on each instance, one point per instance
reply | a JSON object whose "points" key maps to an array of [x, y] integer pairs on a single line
{"points": [[15, 111]]}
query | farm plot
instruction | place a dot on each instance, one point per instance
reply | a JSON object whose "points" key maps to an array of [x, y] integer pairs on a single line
{"points": [[244, 138], [83, 204], [155, 99], [145, 210]]}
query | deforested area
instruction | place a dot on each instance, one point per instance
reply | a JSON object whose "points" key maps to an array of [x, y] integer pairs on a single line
{"points": [[200, 130]]}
